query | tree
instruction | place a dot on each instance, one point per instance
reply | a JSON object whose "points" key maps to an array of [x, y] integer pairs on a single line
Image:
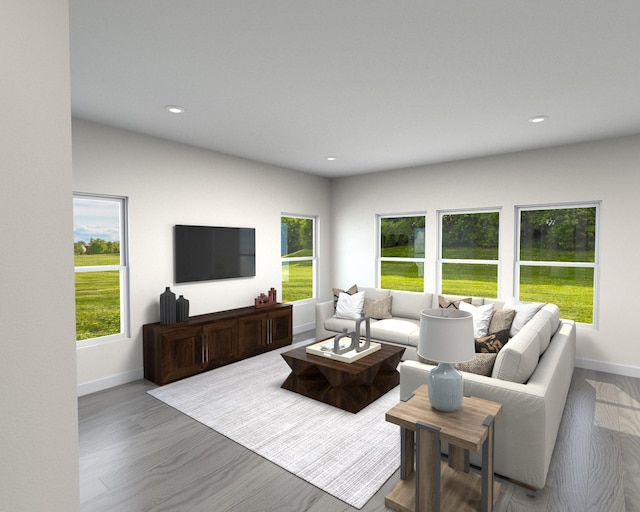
{"points": [[558, 234], [97, 246], [399, 231], [297, 236], [79, 248]]}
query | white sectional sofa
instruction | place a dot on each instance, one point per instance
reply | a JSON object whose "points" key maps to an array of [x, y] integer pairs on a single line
{"points": [[530, 376]]}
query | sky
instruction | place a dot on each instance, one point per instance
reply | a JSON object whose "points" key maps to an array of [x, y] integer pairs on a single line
{"points": [[96, 218]]}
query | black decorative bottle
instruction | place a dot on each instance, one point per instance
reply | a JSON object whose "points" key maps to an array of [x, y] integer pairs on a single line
{"points": [[167, 307], [182, 309]]}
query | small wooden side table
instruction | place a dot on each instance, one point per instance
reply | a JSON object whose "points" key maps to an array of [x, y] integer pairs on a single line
{"points": [[434, 485]]}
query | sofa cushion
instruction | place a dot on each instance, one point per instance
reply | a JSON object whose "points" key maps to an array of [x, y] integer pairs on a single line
{"points": [[396, 330], [378, 308], [518, 359], [546, 323], [336, 325], [409, 304], [350, 306], [481, 317], [375, 293]]}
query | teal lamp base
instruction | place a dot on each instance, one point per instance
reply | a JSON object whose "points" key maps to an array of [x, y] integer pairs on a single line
{"points": [[445, 388]]}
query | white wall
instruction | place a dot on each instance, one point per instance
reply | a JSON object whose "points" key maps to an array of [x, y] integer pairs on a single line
{"points": [[38, 406], [605, 170], [168, 184]]}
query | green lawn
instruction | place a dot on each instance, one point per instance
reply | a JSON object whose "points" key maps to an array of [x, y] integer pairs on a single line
{"points": [[87, 260], [97, 297], [297, 280]]}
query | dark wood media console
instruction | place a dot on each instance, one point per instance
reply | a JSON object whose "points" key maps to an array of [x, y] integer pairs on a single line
{"points": [[173, 352]]}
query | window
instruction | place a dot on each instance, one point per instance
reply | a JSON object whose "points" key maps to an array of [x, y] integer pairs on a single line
{"points": [[469, 253], [298, 251], [100, 253], [401, 252], [558, 258]]}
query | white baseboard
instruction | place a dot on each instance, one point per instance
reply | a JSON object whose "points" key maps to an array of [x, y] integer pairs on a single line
{"points": [[87, 388], [615, 368], [311, 326]]}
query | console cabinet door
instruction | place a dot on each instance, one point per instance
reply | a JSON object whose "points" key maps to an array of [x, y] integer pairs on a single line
{"points": [[281, 325], [182, 353], [221, 342], [252, 334]]}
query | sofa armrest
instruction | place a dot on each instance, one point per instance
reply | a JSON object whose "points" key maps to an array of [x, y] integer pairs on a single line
{"points": [[324, 311]]}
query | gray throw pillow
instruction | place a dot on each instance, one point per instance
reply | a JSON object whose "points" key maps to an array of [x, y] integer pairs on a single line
{"points": [[378, 308], [501, 320]]}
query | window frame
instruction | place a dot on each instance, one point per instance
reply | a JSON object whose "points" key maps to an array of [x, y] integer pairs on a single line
{"points": [[313, 258], [441, 260], [122, 268], [380, 258], [595, 265]]}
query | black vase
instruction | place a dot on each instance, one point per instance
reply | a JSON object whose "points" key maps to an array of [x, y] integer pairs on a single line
{"points": [[182, 309], [167, 307]]}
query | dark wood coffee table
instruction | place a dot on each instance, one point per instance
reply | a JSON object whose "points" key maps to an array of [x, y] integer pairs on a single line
{"points": [[349, 386]]}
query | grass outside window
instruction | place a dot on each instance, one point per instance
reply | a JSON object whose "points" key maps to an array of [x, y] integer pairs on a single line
{"points": [[97, 304], [297, 280], [470, 279]]}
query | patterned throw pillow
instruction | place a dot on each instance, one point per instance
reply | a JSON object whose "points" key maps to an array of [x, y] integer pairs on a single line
{"points": [[378, 308], [445, 303], [482, 364], [336, 293], [492, 343]]}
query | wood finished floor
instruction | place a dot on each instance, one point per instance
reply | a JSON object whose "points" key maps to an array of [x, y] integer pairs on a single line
{"points": [[138, 454]]}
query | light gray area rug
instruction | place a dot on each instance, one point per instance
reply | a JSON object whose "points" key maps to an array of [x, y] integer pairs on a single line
{"points": [[347, 455]]}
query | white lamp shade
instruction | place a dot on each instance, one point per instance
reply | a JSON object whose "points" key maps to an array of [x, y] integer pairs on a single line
{"points": [[446, 335]]}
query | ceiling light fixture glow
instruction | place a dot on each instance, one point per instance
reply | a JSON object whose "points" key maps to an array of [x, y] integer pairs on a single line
{"points": [[331, 158], [175, 109], [538, 119]]}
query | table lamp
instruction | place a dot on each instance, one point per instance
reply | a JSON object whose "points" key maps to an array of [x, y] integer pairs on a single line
{"points": [[446, 336]]}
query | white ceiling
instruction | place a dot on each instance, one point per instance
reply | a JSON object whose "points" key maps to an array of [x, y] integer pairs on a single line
{"points": [[379, 84]]}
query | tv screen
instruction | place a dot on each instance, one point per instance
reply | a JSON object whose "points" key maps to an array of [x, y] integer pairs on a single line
{"points": [[205, 253]]}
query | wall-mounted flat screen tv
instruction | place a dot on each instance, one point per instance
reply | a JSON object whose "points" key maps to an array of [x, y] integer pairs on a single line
{"points": [[205, 253]]}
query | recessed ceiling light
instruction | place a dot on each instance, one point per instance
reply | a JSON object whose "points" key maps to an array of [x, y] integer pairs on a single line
{"points": [[175, 109], [331, 158], [538, 119]]}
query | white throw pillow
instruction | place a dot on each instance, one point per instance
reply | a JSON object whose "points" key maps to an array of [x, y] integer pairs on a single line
{"points": [[481, 317], [350, 306], [525, 311]]}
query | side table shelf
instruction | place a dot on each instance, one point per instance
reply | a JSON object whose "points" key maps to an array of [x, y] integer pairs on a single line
{"points": [[431, 484]]}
